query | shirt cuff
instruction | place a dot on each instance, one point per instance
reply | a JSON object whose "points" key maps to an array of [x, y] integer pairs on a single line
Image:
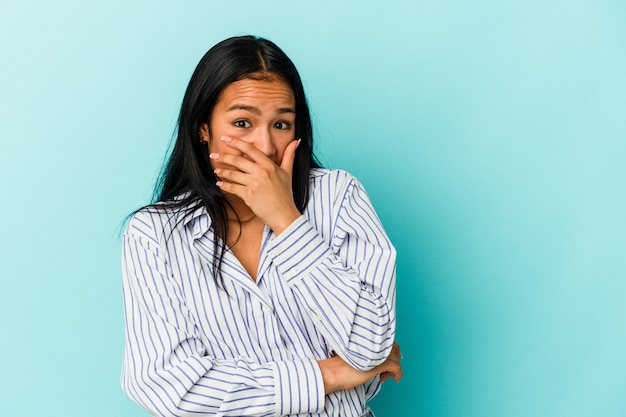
{"points": [[299, 387], [298, 249]]}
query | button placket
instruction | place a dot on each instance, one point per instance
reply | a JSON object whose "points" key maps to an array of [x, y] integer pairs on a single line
{"points": [[317, 316]]}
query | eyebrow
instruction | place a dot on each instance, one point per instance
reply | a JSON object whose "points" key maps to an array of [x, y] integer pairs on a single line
{"points": [[257, 111]]}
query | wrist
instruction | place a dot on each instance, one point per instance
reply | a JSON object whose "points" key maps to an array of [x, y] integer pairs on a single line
{"points": [[280, 225], [328, 368]]}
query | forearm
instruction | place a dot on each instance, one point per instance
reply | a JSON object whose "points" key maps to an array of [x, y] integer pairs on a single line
{"points": [[359, 324], [352, 306], [338, 375], [201, 386], [168, 370]]}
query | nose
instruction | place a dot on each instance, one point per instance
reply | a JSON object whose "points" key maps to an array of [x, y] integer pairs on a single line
{"points": [[263, 141]]}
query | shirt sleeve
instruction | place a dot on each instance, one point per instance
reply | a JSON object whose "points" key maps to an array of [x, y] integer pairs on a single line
{"points": [[345, 283], [166, 369]]}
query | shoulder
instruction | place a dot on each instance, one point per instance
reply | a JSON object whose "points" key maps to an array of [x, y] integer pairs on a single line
{"points": [[335, 184], [147, 223], [159, 220], [331, 177]]}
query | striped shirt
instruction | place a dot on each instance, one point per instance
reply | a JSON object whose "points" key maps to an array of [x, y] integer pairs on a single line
{"points": [[325, 286]]}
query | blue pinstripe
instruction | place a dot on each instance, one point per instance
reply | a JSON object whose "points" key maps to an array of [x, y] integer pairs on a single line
{"points": [[325, 286]]}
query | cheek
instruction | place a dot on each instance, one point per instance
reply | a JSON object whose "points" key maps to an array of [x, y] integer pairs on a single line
{"points": [[215, 146], [220, 128], [280, 148], [215, 143]]}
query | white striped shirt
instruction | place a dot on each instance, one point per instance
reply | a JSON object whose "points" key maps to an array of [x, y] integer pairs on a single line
{"points": [[325, 286]]}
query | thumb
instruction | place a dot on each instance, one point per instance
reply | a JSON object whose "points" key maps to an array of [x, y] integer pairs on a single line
{"points": [[289, 156]]}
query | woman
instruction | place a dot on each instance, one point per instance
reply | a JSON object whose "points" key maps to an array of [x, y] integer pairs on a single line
{"points": [[258, 284]]}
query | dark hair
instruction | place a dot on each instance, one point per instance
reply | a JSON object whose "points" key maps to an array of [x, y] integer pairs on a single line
{"points": [[188, 172]]}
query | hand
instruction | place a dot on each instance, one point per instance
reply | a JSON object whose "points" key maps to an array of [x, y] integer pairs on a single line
{"points": [[395, 355], [263, 185], [339, 375]]}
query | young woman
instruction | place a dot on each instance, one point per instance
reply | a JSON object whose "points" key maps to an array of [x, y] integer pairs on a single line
{"points": [[258, 283]]}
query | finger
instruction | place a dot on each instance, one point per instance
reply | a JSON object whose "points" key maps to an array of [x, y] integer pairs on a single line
{"points": [[396, 349], [397, 373], [395, 353], [246, 148], [232, 188], [390, 370], [289, 156], [394, 372], [397, 376], [232, 176], [240, 163]]}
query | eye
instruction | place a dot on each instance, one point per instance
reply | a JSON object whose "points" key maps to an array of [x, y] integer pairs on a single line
{"points": [[282, 125], [242, 123]]}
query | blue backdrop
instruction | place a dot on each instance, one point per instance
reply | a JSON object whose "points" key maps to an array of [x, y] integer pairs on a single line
{"points": [[491, 137]]}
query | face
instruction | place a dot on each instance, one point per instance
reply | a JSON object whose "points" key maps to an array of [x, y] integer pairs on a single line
{"points": [[260, 112]]}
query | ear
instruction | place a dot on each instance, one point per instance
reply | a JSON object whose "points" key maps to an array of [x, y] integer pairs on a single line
{"points": [[204, 133]]}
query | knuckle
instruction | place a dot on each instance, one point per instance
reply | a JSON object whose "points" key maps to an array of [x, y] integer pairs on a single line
{"points": [[263, 174]]}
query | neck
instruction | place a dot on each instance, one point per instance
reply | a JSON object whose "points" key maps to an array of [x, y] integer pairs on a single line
{"points": [[239, 212]]}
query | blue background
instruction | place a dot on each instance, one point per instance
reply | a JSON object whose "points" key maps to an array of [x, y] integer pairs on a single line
{"points": [[491, 137]]}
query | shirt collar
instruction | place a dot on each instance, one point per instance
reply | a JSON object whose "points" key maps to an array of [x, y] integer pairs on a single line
{"points": [[197, 220]]}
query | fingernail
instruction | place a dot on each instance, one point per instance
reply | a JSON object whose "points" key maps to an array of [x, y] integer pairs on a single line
{"points": [[217, 170], [214, 155], [226, 138], [219, 183]]}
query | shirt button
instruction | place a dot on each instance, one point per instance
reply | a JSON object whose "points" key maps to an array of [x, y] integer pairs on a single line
{"points": [[266, 309]]}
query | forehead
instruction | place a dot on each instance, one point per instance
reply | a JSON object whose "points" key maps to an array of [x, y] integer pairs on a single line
{"points": [[260, 92]]}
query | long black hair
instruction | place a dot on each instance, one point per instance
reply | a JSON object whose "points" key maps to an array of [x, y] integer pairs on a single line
{"points": [[187, 181]]}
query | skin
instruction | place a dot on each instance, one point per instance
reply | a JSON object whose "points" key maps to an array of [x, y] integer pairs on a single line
{"points": [[251, 142], [252, 146]]}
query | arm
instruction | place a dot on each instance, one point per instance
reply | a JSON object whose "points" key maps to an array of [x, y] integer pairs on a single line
{"points": [[339, 375], [347, 287], [166, 368]]}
